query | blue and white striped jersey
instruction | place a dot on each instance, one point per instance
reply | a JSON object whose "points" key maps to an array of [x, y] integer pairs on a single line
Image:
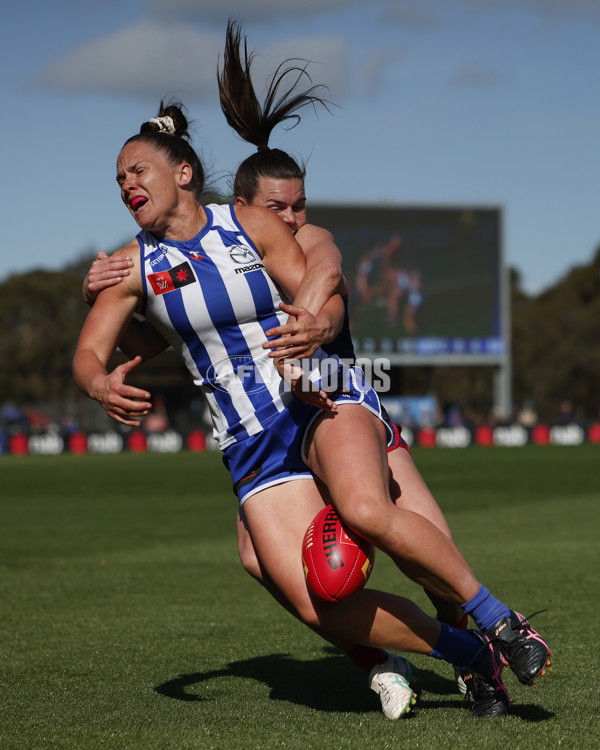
{"points": [[212, 299]]}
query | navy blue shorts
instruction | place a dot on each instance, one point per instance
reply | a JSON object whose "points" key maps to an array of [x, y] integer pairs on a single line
{"points": [[275, 455]]}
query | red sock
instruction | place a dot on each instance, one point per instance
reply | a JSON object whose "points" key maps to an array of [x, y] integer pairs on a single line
{"points": [[366, 657]]}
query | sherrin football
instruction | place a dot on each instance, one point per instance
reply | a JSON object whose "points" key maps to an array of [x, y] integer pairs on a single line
{"points": [[337, 562]]}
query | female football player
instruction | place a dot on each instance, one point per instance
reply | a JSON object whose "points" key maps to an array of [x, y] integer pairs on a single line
{"points": [[419, 565]]}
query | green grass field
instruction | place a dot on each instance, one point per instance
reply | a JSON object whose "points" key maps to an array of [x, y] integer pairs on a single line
{"points": [[127, 621]]}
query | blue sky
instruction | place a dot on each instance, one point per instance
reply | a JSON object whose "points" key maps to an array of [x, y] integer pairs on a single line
{"points": [[442, 102]]}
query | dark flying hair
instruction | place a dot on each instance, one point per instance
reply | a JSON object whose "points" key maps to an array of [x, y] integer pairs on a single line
{"points": [[254, 122]]}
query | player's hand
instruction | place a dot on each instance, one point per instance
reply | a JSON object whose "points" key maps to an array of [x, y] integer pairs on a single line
{"points": [[104, 272], [124, 403], [302, 387], [300, 337]]}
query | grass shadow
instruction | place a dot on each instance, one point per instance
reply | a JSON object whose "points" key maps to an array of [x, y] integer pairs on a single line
{"points": [[531, 713], [330, 683]]}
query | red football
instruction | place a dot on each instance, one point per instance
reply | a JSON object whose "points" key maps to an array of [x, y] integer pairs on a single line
{"points": [[337, 562]]}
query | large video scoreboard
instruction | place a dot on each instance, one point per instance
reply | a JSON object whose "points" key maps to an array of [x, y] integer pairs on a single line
{"points": [[427, 284]]}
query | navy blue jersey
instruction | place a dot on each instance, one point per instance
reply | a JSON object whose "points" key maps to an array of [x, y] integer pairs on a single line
{"points": [[342, 344]]}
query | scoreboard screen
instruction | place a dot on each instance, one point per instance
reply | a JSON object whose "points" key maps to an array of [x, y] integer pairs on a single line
{"points": [[426, 283]]}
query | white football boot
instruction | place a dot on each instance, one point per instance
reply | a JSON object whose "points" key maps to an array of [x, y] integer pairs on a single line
{"points": [[390, 681], [460, 683]]}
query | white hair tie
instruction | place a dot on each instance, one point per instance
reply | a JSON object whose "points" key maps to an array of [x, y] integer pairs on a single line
{"points": [[165, 124]]}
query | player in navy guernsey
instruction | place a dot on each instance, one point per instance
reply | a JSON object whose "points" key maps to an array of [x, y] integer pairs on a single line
{"points": [[203, 321]]}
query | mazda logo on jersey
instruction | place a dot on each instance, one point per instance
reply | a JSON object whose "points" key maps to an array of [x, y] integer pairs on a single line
{"points": [[240, 254], [172, 278]]}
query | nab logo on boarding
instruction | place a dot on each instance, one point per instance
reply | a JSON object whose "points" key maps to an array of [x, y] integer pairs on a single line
{"points": [[172, 278]]}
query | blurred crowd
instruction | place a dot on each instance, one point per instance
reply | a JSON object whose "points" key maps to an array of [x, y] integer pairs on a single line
{"points": [[36, 420]]}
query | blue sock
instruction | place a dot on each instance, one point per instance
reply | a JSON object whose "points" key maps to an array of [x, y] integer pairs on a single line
{"points": [[485, 609], [464, 649], [459, 647]]}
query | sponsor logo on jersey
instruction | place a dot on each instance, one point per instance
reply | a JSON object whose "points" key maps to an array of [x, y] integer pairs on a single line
{"points": [[196, 255], [156, 261], [241, 254], [253, 267], [172, 278]]}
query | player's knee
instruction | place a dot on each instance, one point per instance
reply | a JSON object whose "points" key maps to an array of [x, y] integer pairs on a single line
{"points": [[367, 517]]}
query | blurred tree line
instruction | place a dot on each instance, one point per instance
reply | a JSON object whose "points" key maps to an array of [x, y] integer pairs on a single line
{"points": [[555, 351]]}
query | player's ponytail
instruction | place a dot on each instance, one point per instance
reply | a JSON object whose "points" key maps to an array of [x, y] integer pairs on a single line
{"points": [[254, 122]]}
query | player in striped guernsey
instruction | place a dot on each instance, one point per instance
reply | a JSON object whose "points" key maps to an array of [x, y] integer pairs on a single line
{"points": [[158, 177], [218, 320], [166, 281]]}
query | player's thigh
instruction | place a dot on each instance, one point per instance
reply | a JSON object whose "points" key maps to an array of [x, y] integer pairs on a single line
{"points": [[410, 492], [347, 451], [277, 519], [346, 447]]}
